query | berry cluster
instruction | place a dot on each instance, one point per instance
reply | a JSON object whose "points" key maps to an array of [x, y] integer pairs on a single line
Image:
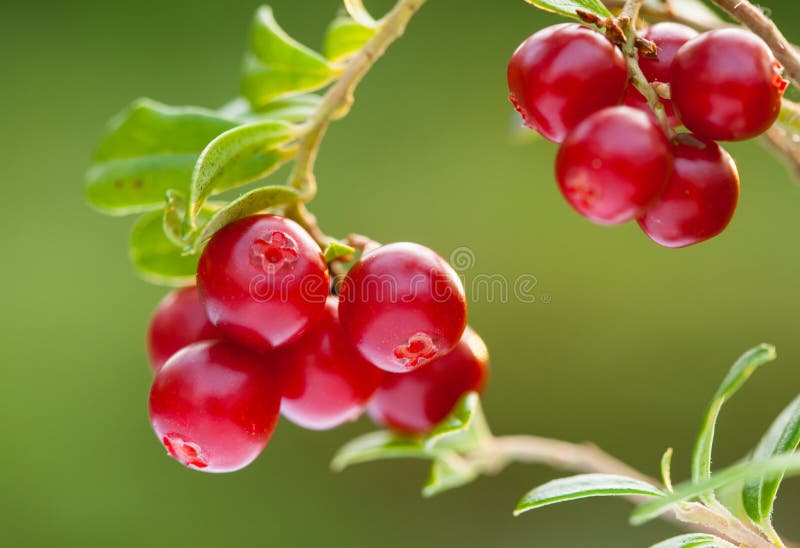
{"points": [[615, 162], [261, 335]]}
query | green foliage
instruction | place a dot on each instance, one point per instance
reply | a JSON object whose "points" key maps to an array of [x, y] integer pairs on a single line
{"points": [[692, 540], [570, 7], [736, 377], [337, 250], [378, 446], [448, 471], [344, 38], [758, 494], [583, 486], [276, 65], [236, 157]]}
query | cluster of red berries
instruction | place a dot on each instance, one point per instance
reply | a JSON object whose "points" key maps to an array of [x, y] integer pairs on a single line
{"points": [[615, 164], [262, 335]]}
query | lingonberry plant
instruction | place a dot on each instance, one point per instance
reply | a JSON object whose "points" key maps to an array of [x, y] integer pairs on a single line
{"points": [[274, 314]]}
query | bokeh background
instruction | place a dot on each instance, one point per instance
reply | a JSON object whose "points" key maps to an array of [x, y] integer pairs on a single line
{"points": [[626, 351]]}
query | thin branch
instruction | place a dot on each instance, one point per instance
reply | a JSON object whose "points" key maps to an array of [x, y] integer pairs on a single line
{"points": [[499, 452], [755, 20]]}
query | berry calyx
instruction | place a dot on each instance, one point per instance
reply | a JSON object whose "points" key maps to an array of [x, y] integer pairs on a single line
{"points": [[668, 38], [415, 402], [562, 74], [179, 320], [263, 281], [614, 165], [325, 381], [699, 200], [214, 406], [401, 306], [726, 85]]}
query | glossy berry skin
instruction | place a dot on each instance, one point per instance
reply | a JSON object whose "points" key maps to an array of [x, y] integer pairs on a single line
{"points": [[726, 85], [699, 200], [668, 37], [325, 381], [179, 320], [214, 406], [562, 74], [614, 165], [401, 306], [415, 402], [263, 281]]}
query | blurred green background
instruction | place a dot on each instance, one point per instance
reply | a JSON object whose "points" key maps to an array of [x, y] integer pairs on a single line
{"points": [[627, 351]]}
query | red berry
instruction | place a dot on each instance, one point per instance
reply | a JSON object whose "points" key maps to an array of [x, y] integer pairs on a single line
{"points": [[214, 406], [700, 198], [614, 165], [562, 74], [325, 381], [178, 321], [668, 37], [401, 306], [263, 281], [415, 402], [726, 85]]}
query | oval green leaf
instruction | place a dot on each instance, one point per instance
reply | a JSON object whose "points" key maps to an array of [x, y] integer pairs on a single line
{"points": [[296, 109], [378, 445], [570, 7], [277, 66], [156, 258], [238, 156], [464, 429], [758, 495], [448, 471], [584, 486], [344, 38], [693, 540]]}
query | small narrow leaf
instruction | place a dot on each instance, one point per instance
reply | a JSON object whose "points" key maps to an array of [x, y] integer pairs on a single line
{"points": [[376, 446], [148, 149], [693, 540], [344, 38], [337, 250], [173, 217], [239, 155], [448, 471], [666, 468], [570, 7], [296, 109], [584, 486], [736, 377], [788, 465], [277, 66], [464, 429], [248, 204], [758, 495]]}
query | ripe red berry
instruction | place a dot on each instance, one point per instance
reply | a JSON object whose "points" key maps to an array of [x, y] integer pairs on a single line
{"points": [[415, 402], [668, 37], [401, 306], [263, 281], [214, 406], [726, 85], [178, 321], [614, 165], [325, 381], [562, 74], [700, 198]]}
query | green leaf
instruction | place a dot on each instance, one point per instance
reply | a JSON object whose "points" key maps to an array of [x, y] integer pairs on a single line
{"points": [[692, 540], [157, 258], [464, 429], [337, 250], [376, 446], [448, 471], [783, 464], [277, 66], [344, 38], [666, 468], [248, 204], [238, 156], [296, 109], [758, 495], [148, 149], [583, 486], [570, 7], [736, 377]]}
